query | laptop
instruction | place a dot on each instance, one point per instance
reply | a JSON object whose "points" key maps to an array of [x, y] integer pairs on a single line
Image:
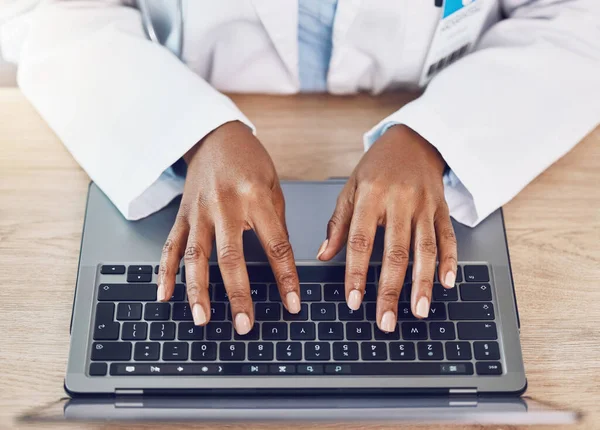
{"points": [[125, 343]]}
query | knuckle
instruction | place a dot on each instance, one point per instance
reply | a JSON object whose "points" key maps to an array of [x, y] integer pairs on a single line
{"points": [[193, 253], [279, 249], [447, 234], [427, 246], [230, 256], [238, 295], [287, 280], [388, 295], [193, 290], [397, 255], [359, 242], [424, 283], [169, 246]]}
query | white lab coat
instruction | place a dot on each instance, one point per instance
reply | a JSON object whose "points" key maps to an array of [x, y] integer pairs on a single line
{"points": [[127, 108]]}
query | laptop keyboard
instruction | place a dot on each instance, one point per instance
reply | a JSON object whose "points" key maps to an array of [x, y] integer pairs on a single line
{"points": [[135, 335]]}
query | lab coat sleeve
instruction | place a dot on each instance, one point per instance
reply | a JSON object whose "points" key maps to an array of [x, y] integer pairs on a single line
{"points": [[524, 98], [126, 108]]}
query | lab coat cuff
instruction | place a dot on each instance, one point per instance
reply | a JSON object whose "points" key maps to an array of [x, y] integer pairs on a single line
{"points": [[465, 187]]}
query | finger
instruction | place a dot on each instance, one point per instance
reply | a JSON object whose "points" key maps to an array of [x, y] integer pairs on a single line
{"points": [[171, 256], [396, 255], [230, 254], [197, 253], [425, 250], [339, 223], [446, 240], [274, 240], [363, 227]]}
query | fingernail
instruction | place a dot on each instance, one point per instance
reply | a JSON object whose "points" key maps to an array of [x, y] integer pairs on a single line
{"points": [[449, 279], [161, 293], [242, 323], [198, 314], [293, 302], [388, 322], [354, 299], [322, 248], [423, 307]]}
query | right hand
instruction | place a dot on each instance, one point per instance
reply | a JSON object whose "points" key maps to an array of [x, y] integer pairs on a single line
{"points": [[231, 186]]}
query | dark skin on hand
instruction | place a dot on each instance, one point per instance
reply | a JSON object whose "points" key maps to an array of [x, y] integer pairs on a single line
{"points": [[232, 186]]}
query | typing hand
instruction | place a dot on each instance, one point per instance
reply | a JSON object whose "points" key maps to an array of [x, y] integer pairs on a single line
{"points": [[397, 184], [231, 186]]}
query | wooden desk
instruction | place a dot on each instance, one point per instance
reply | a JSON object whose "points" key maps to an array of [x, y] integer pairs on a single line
{"points": [[553, 231]]}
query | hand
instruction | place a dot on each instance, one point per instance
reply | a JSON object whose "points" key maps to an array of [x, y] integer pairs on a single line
{"points": [[397, 184], [231, 186]]}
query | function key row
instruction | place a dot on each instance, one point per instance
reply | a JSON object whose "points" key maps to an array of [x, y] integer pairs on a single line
{"points": [[294, 351]]}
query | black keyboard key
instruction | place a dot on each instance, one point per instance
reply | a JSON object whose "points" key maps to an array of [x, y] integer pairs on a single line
{"points": [[258, 292], [253, 334], [309, 369], [486, 350], [183, 274], [260, 351], [406, 292], [214, 274], [105, 328], [370, 293], [204, 351], [274, 331], [476, 292], [344, 351], [404, 311], [317, 351], [337, 369], [371, 311], [217, 311], [437, 311], [221, 293], [402, 351], [189, 331], [129, 311], [477, 330], [381, 335], [218, 331], [334, 292], [260, 273], [99, 369], [414, 330], [310, 292], [442, 294], [331, 331], [255, 369], [442, 331], [139, 277], [267, 311], [111, 351], [471, 311], [147, 351], [175, 351], [430, 350], [182, 312], [347, 314], [459, 276], [139, 269], [157, 311], [127, 293], [302, 331], [162, 331], [282, 369], [328, 273], [232, 351], [373, 351], [300, 316], [322, 311], [358, 331], [488, 368], [458, 350], [274, 295], [477, 274], [178, 293], [105, 312], [112, 270], [134, 331], [289, 351]]}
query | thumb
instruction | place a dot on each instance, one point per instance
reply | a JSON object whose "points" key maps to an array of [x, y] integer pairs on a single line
{"points": [[339, 223]]}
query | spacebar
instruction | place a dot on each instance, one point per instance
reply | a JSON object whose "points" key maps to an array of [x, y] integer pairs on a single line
{"points": [[285, 369]]}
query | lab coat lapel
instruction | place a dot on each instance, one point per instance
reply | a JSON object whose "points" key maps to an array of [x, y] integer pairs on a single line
{"points": [[280, 19]]}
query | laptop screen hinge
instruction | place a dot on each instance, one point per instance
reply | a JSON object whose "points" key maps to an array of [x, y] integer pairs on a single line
{"points": [[463, 390]]}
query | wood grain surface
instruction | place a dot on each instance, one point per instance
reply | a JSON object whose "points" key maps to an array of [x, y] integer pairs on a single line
{"points": [[553, 233]]}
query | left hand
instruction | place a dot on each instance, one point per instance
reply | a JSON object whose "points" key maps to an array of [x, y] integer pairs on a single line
{"points": [[397, 184]]}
